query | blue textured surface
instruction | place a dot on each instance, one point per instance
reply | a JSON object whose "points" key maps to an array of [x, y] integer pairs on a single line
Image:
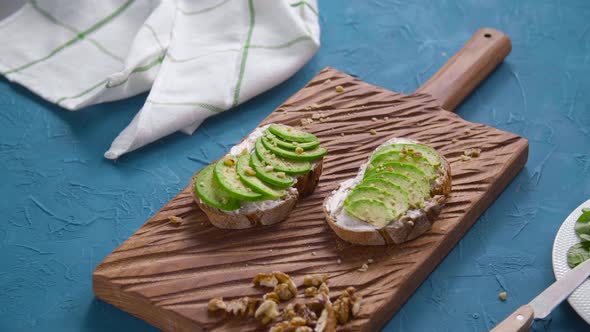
{"points": [[65, 208]]}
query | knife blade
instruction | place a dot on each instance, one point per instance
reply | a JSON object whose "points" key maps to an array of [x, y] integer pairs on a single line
{"points": [[551, 297], [542, 305]]}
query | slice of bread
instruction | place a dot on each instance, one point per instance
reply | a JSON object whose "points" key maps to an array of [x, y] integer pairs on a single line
{"points": [[261, 213], [409, 226]]}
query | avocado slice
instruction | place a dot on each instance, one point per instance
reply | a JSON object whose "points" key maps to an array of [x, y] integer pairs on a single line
{"points": [[429, 153], [226, 174], [419, 161], [269, 176], [290, 145], [408, 170], [288, 154], [280, 164], [248, 176], [210, 192], [372, 211], [362, 192], [417, 191], [291, 134], [400, 195]]}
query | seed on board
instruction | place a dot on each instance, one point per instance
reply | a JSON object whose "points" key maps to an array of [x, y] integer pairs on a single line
{"points": [[339, 89], [373, 132], [228, 162], [503, 296], [298, 150]]}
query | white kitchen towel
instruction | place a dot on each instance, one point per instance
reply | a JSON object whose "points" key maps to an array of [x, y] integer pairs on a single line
{"points": [[198, 57]]}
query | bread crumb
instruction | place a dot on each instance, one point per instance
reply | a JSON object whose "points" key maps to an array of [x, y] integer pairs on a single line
{"points": [[174, 220], [373, 132], [373, 119], [339, 261], [269, 250], [327, 81], [465, 158], [369, 261], [455, 140], [339, 89], [503, 296], [386, 118], [363, 268], [313, 253], [342, 134], [315, 116]]}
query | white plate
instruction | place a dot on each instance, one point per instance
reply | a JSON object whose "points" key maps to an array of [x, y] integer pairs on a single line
{"points": [[565, 238]]}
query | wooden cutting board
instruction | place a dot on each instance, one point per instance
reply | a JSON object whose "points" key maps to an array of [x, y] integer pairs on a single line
{"points": [[165, 274]]}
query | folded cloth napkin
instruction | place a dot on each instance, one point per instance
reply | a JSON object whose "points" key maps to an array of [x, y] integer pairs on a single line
{"points": [[198, 57]]}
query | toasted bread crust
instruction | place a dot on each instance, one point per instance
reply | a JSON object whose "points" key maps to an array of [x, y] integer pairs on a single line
{"points": [[407, 227], [232, 220]]}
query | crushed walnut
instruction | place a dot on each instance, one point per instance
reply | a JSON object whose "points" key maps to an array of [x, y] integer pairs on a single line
{"points": [[314, 280], [265, 279], [473, 153], [318, 313], [174, 220], [363, 268], [306, 121], [503, 296]]}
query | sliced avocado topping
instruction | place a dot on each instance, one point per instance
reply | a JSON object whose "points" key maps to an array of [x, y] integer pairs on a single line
{"points": [[400, 195], [227, 175], [429, 153], [408, 170], [267, 174], [291, 134], [372, 211], [280, 164], [418, 191], [417, 160], [362, 192], [210, 192], [248, 176], [290, 145], [297, 154]]}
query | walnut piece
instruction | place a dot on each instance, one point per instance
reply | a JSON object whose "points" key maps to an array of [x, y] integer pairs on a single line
{"points": [[474, 152], [272, 296], [268, 310], [283, 291], [265, 279], [284, 278], [314, 280], [216, 303], [174, 220], [310, 291], [327, 321]]}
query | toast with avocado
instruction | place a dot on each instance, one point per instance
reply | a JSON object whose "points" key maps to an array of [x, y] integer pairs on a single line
{"points": [[395, 197], [261, 179]]}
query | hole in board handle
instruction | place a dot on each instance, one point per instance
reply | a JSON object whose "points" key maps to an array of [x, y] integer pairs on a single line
{"points": [[488, 35]]}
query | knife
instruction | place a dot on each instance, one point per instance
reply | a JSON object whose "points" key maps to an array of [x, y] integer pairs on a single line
{"points": [[542, 305]]}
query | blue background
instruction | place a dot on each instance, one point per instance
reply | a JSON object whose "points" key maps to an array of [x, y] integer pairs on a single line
{"points": [[64, 207]]}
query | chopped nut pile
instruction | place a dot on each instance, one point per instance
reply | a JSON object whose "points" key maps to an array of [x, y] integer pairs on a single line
{"points": [[317, 314]]}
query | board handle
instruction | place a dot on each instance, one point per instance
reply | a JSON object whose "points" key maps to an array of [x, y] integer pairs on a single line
{"points": [[466, 69]]}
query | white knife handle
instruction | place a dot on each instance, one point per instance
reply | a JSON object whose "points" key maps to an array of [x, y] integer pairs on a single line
{"points": [[520, 321]]}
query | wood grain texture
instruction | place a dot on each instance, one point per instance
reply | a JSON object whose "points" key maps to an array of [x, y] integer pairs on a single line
{"points": [[165, 274]]}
